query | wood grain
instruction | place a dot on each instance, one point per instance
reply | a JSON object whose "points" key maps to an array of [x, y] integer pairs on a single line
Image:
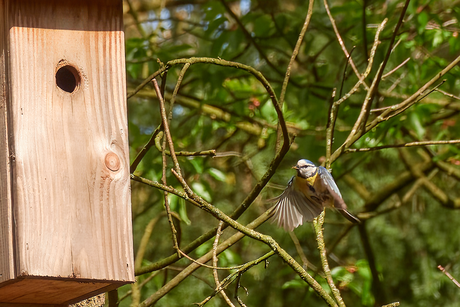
{"points": [[6, 230], [72, 214]]}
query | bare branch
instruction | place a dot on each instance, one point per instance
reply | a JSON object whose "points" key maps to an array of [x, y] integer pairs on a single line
{"points": [[395, 69], [171, 147], [295, 52], [318, 224], [411, 144], [210, 153], [342, 44], [214, 263], [440, 267], [293, 57], [335, 106]]}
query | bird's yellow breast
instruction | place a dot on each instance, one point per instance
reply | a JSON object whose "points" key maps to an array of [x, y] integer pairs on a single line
{"points": [[311, 180], [306, 181]]}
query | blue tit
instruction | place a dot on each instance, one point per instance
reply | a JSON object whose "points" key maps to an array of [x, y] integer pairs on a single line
{"points": [[307, 194]]}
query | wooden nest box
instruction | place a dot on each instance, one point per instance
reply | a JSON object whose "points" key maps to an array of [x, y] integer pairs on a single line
{"points": [[65, 213]]}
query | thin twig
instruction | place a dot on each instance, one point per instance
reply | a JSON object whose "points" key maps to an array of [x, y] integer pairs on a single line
{"points": [[236, 276], [209, 153], [360, 124], [318, 224], [298, 247], [139, 285], [250, 38], [237, 286], [238, 211], [166, 128], [203, 204], [204, 60], [389, 50], [258, 75], [422, 96], [133, 13], [295, 52], [145, 149], [335, 106], [414, 98], [339, 238], [396, 83], [400, 182], [442, 269], [331, 119], [417, 185], [397, 109], [209, 266], [363, 27], [205, 258], [176, 89], [369, 64], [447, 94], [444, 199], [344, 74], [411, 144], [214, 263], [395, 69], [342, 44]]}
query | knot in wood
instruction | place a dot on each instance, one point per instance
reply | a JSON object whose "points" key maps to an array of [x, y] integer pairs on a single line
{"points": [[112, 161]]}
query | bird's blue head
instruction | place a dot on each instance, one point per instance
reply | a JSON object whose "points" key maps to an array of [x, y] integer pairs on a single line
{"points": [[305, 168]]}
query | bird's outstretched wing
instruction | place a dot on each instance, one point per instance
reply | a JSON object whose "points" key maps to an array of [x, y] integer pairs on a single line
{"points": [[294, 208], [327, 179], [339, 203]]}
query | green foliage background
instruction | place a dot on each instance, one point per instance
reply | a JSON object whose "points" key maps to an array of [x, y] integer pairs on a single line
{"points": [[228, 110]]}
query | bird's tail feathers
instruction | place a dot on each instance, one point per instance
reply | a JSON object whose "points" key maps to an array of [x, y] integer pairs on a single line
{"points": [[349, 216]]}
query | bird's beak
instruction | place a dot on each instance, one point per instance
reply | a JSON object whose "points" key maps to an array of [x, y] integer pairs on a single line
{"points": [[295, 167]]}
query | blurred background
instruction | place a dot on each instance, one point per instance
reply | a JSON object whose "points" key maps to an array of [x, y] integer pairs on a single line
{"points": [[408, 197]]}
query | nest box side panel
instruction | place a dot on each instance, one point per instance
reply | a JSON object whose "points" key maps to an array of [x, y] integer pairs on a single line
{"points": [[6, 235], [69, 115]]}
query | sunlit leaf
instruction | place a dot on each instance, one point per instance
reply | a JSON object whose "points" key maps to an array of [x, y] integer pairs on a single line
{"points": [[201, 190], [217, 174]]}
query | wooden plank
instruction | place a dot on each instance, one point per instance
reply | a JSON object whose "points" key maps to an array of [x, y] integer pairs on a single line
{"points": [[6, 235], [32, 305], [48, 292], [71, 171]]}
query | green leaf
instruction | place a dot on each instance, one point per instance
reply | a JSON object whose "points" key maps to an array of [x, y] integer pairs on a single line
{"points": [[183, 211], [197, 165], [177, 204], [268, 111], [200, 189], [263, 25], [214, 25], [438, 38], [363, 269], [417, 125], [203, 248], [217, 174], [230, 258], [422, 19], [294, 284]]}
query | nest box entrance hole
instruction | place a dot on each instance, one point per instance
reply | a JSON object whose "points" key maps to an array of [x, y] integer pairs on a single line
{"points": [[68, 78]]}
